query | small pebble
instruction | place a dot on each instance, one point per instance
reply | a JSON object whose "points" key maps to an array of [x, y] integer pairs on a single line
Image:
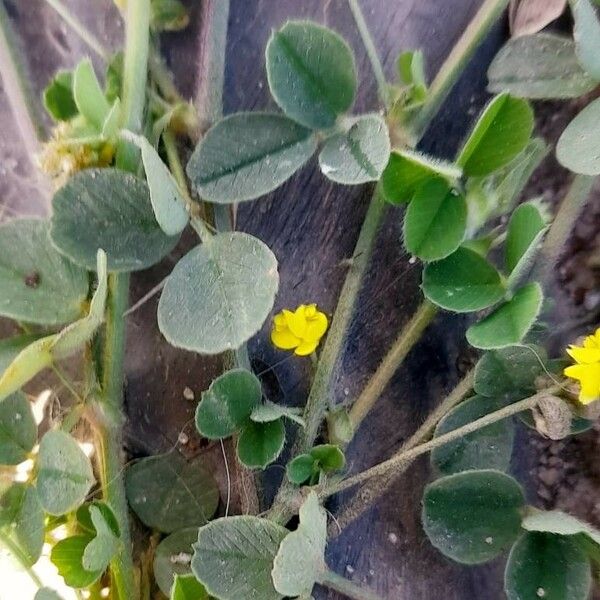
{"points": [[188, 393]]}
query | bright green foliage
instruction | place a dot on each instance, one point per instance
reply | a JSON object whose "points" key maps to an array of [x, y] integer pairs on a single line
{"points": [[463, 282], [311, 73], [65, 473], [473, 516], [58, 97], [22, 521], [259, 444], [18, 429], [340, 428], [487, 448], [556, 521], [407, 170], [235, 280], [67, 556], [247, 155], [168, 492], [500, 134], [88, 95], [587, 36], [358, 155], [269, 411], [325, 458], [114, 77], [167, 201], [166, 568], [187, 587], [435, 221], [228, 403], [300, 560], [108, 209], [11, 347], [578, 147], [543, 565], [539, 66], [101, 549], [411, 73], [509, 323], [233, 558], [38, 284]]}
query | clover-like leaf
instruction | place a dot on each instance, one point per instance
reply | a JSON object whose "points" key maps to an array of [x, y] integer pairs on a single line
{"points": [[358, 155], [500, 134], [247, 155], [473, 516], [435, 221], [67, 556], [325, 458], [18, 429], [187, 587], [464, 281], [311, 73], [233, 557], [88, 95], [168, 492], [235, 280], [509, 323], [104, 545], [58, 97], [228, 403], [587, 36], [173, 557], [260, 444]]}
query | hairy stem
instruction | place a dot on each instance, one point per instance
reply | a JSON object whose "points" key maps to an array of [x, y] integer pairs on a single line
{"points": [[348, 588]]}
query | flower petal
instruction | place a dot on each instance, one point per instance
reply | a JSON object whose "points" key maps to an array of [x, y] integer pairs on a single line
{"points": [[589, 379], [306, 348], [317, 326], [586, 355], [284, 339], [296, 321]]}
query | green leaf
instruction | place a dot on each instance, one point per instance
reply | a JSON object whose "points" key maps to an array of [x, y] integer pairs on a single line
{"points": [[501, 133], [247, 155], [114, 77], [406, 171], [435, 221], [235, 281], [86, 523], [578, 147], [311, 73], [234, 556], [260, 444], [18, 429], [46, 594], [101, 549], [542, 565], [462, 282], [187, 587], [358, 155], [411, 72], [556, 521], [543, 65], [168, 493], [173, 557], [473, 516], [269, 411], [329, 457], [38, 284], [300, 560], [510, 322], [67, 556], [167, 201], [11, 347], [108, 209], [587, 36], [301, 469], [511, 371], [65, 473], [22, 521], [487, 448], [228, 403], [112, 123], [58, 97], [88, 94]]}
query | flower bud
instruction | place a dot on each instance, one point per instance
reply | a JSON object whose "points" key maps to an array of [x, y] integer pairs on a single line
{"points": [[552, 417]]}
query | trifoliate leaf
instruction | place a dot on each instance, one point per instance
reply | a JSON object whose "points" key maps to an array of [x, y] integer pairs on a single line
{"points": [[105, 544]]}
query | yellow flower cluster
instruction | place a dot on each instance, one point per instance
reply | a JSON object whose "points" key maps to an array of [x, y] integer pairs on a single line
{"points": [[587, 369], [300, 330]]}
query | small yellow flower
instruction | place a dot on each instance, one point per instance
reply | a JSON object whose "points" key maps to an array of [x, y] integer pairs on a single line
{"points": [[587, 369], [300, 330]]}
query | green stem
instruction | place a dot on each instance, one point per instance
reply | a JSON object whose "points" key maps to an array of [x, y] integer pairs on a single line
{"points": [[392, 361], [457, 60], [401, 459], [367, 40], [348, 588], [23, 561]]}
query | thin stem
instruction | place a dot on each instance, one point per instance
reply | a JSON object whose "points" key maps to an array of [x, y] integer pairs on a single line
{"points": [[402, 458], [348, 588], [79, 28], [367, 40], [23, 561], [457, 60], [409, 335], [67, 384]]}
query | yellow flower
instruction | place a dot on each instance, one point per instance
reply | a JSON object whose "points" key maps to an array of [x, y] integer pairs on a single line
{"points": [[300, 330], [587, 369]]}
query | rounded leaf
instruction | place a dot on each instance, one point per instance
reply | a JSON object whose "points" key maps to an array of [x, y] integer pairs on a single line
{"points": [[247, 155], [67, 556], [108, 209], [556, 521], [173, 556], [435, 221], [39, 285], [587, 36], [463, 282], [18, 429], [219, 294], [329, 457], [543, 565], [301, 468], [311, 73], [473, 516], [260, 444]]}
